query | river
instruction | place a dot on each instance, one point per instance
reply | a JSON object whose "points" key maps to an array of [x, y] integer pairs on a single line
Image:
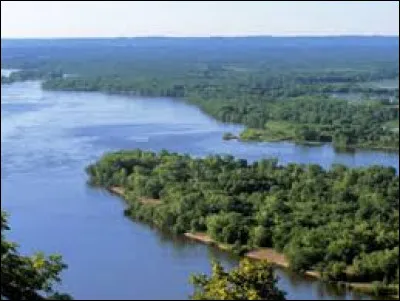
{"points": [[47, 138]]}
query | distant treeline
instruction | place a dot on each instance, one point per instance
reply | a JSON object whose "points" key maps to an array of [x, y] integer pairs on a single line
{"points": [[251, 81]]}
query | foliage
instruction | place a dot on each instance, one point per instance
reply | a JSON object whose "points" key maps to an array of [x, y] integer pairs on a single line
{"points": [[251, 81], [249, 281], [342, 222], [28, 278]]}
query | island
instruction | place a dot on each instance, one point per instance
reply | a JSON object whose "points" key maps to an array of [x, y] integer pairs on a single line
{"points": [[339, 225]]}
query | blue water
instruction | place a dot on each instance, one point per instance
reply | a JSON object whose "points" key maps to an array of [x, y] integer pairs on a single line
{"points": [[47, 138]]}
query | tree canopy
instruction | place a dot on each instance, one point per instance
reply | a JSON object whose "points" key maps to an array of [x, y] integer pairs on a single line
{"points": [[28, 277], [249, 281], [327, 89], [342, 222]]}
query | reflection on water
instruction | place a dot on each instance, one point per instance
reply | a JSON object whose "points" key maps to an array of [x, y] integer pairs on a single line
{"points": [[48, 138]]}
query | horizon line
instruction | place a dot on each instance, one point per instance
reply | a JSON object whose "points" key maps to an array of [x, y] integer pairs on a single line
{"points": [[206, 37]]}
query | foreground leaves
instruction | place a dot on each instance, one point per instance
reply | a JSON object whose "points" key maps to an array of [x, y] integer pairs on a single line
{"points": [[249, 281], [28, 277]]}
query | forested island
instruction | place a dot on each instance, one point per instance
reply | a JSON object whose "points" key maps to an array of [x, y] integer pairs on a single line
{"points": [[342, 223], [291, 89]]}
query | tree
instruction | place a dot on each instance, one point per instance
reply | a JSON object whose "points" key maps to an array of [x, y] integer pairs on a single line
{"points": [[320, 219], [249, 281], [261, 237], [227, 227], [28, 277]]}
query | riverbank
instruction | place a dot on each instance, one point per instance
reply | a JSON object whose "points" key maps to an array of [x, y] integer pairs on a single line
{"points": [[278, 131], [121, 193], [274, 131], [270, 255], [279, 259]]}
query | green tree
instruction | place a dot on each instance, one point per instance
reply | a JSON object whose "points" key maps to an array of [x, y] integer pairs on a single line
{"points": [[341, 222], [28, 277], [249, 281]]}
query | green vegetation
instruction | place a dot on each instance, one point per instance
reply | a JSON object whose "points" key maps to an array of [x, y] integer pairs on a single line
{"points": [[392, 125], [28, 278], [313, 118], [273, 131], [229, 136], [345, 124], [279, 88], [342, 222], [249, 281]]}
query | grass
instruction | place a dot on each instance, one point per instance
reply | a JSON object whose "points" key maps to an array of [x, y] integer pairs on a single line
{"points": [[274, 131], [277, 131]]}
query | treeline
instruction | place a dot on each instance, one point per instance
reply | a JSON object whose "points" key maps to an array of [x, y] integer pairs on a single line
{"points": [[251, 81], [373, 57], [342, 222], [226, 84], [316, 118], [256, 66], [30, 74]]}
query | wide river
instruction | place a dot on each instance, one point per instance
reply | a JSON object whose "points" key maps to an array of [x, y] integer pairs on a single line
{"points": [[47, 138]]}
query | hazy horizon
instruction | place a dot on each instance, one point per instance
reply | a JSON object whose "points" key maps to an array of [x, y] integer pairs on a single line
{"points": [[173, 19], [199, 37]]}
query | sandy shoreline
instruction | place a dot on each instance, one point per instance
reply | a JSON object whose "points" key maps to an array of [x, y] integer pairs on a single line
{"points": [[278, 259], [121, 192], [268, 254]]}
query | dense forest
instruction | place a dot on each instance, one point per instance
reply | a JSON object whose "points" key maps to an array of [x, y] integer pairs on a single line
{"points": [[343, 223], [279, 88]]}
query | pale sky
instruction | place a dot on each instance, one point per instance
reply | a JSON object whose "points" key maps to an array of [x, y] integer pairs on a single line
{"points": [[196, 18]]}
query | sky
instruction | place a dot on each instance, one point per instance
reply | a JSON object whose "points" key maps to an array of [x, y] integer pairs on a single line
{"points": [[47, 19]]}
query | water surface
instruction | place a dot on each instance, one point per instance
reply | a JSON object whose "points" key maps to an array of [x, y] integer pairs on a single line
{"points": [[47, 138]]}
